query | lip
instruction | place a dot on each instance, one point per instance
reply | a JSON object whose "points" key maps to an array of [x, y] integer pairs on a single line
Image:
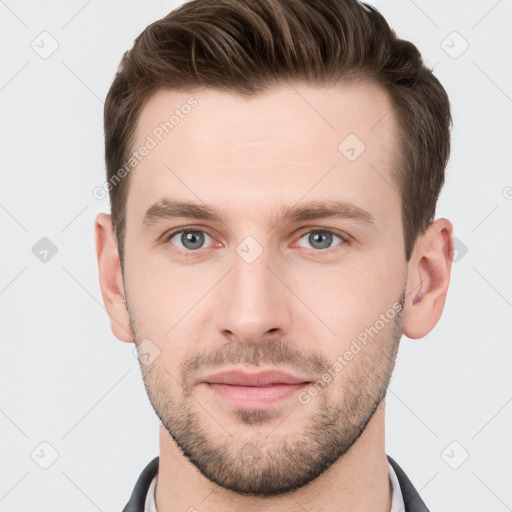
{"points": [[260, 379], [254, 390]]}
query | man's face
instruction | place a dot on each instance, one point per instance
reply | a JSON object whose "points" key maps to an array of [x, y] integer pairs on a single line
{"points": [[255, 290]]}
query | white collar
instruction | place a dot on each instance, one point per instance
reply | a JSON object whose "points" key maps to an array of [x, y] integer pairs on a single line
{"points": [[397, 499]]}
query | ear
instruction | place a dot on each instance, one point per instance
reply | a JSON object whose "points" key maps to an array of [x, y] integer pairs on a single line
{"points": [[428, 277], [111, 279]]}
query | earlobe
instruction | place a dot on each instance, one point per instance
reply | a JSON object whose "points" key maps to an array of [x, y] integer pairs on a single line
{"points": [[428, 279], [111, 279]]}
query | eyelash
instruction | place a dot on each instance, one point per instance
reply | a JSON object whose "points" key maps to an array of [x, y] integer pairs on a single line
{"points": [[342, 236]]}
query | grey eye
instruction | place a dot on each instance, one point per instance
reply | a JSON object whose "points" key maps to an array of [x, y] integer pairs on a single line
{"points": [[189, 240], [320, 239]]}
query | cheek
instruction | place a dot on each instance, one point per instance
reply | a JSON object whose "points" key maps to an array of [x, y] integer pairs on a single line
{"points": [[151, 297], [163, 297], [351, 296]]}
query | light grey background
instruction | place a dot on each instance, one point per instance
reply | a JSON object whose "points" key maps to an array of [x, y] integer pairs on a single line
{"points": [[67, 381]]}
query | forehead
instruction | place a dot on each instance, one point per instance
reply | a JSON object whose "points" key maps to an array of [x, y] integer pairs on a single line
{"points": [[290, 142]]}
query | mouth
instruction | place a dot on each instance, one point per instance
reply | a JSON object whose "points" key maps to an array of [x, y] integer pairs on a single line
{"points": [[254, 390]]}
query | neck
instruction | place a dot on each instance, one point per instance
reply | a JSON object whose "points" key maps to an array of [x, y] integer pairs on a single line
{"points": [[358, 482]]}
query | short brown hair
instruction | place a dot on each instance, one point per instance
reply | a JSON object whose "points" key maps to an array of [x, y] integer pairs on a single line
{"points": [[249, 46]]}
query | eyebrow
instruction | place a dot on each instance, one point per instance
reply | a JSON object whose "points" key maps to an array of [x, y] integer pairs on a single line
{"points": [[166, 209]]}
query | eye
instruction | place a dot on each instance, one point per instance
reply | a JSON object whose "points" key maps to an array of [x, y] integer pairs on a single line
{"points": [[188, 239], [320, 239]]}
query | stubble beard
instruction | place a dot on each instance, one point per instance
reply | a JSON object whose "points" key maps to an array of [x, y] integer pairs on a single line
{"points": [[270, 465]]}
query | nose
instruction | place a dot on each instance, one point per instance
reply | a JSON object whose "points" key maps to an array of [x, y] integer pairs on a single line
{"points": [[253, 301]]}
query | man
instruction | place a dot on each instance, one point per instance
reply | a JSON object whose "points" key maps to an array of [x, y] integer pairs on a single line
{"points": [[273, 169]]}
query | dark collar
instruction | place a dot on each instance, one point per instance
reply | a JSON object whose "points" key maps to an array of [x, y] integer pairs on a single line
{"points": [[138, 497], [412, 500]]}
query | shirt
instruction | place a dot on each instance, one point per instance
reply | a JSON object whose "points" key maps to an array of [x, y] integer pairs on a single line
{"points": [[397, 500]]}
